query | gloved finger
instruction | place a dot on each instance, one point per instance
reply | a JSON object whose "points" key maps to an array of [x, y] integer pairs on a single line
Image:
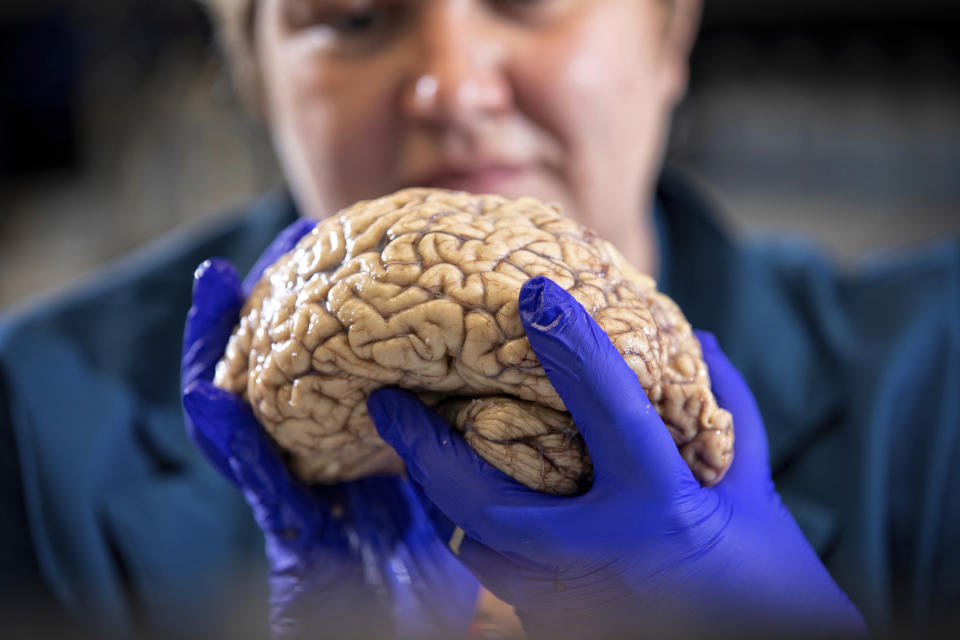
{"points": [[399, 507], [495, 570], [443, 527], [433, 594], [216, 302], [204, 406], [431, 591], [482, 500], [284, 242], [281, 505], [504, 575], [624, 435], [751, 461], [227, 430]]}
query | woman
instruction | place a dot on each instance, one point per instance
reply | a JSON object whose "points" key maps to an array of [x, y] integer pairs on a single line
{"points": [[568, 101]]}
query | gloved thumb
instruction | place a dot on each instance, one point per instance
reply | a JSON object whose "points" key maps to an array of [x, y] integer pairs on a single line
{"points": [[625, 437], [204, 405], [226, 431], [470, 492], [216, 302], [750, 469]]}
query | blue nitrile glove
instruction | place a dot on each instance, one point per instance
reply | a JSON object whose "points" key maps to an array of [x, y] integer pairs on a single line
{"points": [[355, 559], [646, 549]]}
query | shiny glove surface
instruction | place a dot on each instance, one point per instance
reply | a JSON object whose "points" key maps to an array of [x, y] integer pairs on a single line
{"points": [[359, 559], [646, 549]]}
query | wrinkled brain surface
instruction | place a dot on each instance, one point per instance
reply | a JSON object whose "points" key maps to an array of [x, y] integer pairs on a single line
{"points": [[419, 289]]}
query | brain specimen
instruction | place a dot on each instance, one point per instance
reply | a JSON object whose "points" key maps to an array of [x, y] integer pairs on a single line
{"points": [[419, 290]]}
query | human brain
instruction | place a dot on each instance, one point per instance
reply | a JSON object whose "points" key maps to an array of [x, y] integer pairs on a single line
{"points": [[419, 289]]}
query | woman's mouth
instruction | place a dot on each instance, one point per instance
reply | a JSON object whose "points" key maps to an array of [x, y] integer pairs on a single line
{"points": [[479, 178]]}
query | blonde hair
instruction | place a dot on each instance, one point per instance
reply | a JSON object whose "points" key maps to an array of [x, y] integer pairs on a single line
{"points": [[234, 22]]}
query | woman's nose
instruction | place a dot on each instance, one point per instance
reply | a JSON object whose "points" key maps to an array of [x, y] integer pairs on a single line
{"points": [[456, 73]]}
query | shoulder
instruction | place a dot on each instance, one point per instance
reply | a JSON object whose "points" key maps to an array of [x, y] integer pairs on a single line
{"points": [[775, 284], [144, 291], [883, 340], [104, 355], [111, 343], [91, 432], [883, 300], [856, 370]]}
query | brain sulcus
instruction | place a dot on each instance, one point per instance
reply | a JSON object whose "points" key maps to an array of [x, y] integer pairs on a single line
{"points": [[419, 289]]}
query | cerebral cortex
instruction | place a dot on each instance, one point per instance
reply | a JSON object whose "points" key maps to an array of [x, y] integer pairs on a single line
{"points": [[419, 290]]}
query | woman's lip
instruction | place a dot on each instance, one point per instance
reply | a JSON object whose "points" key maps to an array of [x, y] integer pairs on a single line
{"points": [[480, 179]]}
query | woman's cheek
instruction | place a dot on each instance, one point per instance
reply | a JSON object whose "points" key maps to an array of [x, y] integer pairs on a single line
{"points": [[345, 131]]}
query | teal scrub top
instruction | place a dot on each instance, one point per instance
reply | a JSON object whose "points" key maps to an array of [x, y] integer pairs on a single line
{"points": [[110, 516]]}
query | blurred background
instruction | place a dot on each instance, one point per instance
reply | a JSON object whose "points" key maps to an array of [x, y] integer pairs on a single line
{"points": [[838, 121]]}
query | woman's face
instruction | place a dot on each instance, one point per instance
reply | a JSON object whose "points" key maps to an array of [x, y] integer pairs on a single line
{"points": [[565, 100]]}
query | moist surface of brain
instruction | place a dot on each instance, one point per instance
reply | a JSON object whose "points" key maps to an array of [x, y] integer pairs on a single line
{"points": [[419, 290]]}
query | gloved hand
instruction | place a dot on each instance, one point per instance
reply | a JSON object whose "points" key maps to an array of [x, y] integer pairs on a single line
{"points": [[356, 559], [646, 549]]}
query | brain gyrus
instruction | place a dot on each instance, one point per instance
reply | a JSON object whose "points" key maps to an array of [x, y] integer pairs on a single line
{"points": [[419, 289]]}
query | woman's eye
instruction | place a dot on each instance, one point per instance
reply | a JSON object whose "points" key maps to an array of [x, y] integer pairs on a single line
{"points": [[530, 9], [359, 22], [344, 18]]}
